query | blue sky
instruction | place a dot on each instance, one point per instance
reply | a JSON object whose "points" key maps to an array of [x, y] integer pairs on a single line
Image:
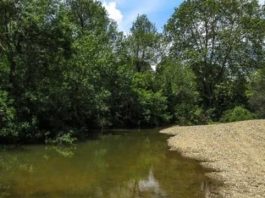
{"points": [[126, 11]]}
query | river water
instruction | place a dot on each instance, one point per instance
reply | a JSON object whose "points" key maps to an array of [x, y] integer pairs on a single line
{"points": [[120, 164]]}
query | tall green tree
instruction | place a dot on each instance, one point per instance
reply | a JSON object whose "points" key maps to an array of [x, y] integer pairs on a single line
{"points": [[257, 93], [150, 104], [221, 41], [177, 81], [65, 67], [88, 15], [143, 44]]}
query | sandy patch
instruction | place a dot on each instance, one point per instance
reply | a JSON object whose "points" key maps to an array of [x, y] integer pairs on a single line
{"points": [[236, 151]]}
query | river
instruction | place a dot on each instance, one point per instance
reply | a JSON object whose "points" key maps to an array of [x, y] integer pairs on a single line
{"points": [[117, 164]]}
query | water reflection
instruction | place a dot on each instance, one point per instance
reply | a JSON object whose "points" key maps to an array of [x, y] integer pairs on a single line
{"points": [[65, 151], [126, 165], [151, 184]]}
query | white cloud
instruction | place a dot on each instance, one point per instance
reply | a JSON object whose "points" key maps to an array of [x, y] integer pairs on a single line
{"points": [[126, 11], [113, 12]]}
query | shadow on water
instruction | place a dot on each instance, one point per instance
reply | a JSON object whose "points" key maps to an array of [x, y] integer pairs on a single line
{"points": [[119, 164]]}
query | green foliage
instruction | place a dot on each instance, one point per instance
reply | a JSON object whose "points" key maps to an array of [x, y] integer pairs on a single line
{"points": [[151, 103], [63, 138], [178, 84], [7, 116], [220, 42], [64, 67], [257, 93], [238, 113], [143, 44]]}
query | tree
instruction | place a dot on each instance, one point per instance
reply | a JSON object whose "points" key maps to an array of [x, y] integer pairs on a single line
{"points": [[143, 44], [7, 117], [65, 68], [257, 93], [219, 40], [256, 89], [10, 37], [150, 107], [88, 15], [178, 84]]}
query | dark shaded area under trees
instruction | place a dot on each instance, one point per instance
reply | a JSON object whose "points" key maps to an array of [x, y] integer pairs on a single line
{"points": [[65, 68]]}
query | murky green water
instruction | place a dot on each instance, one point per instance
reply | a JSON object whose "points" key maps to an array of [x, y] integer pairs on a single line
{"points": [[121, 165]]}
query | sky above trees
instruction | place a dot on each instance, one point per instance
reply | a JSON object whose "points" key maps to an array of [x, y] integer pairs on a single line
{"points": [[125, 11]]}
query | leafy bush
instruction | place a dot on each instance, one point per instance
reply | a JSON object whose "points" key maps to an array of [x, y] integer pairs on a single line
{"points": [[63, 139], [238, 113], [257, 93], [7, 116], [178, 84], [12, 130], [151, 104]]}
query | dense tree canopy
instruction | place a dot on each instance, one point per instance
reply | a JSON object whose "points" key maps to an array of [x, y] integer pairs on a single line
{"points": [[143, 44], [65, 68], [222, 42]]}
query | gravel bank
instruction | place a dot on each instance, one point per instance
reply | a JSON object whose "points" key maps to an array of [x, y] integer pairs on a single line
{"points": [[235, 151]]}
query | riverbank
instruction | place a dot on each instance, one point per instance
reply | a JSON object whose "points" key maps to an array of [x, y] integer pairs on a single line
{"points": [[235, 151]]}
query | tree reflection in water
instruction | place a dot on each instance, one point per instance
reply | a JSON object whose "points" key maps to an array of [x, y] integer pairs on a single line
{"points": [[127, 165], [151, 184]]}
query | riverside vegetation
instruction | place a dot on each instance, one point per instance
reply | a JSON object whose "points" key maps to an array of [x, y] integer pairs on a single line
{"points": [[65, 68]]}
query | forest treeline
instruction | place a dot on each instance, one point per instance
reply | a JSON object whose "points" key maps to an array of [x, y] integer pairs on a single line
{"points": [[65, 67]]}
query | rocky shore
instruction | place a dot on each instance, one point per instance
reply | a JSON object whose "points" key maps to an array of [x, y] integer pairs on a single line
{"points": [[234, 152]]}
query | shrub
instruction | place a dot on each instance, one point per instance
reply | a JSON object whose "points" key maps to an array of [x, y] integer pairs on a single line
{"points": [[257, 93], [238, 113], [7, 116], [63, 139]]}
